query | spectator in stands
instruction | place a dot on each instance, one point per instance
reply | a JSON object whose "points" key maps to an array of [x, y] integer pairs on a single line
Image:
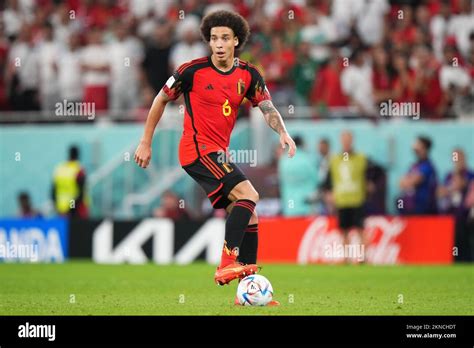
{"points": [[4, 47], [190, 45], [282, 15], [455, 83], [263, 35], [13, 18], [327, 90], [292, 30], [254, 55], [371, 20], [461, 26], [344, 13], [100, 13], [278, 65], [439, 28], [422, 19], [356, 82], [126, 55], [470, 59], [22, 72], [26, 208], [403, 29], [171, 207], [347, 180], [48, 54], [303, 73], [298, 178], [95, 67], [452, 195], [320, 31], [64, 23], [381, 75], [69, 71], [69, 187], [419, 184], [156, 64], [403, 80], [427, 87]]}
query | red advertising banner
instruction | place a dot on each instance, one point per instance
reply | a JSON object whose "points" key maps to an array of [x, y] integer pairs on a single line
{"points": [[389, 240]]}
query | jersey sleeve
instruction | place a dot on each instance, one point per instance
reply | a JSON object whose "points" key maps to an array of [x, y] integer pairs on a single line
{"points": [[257, 91], [177, 84]]}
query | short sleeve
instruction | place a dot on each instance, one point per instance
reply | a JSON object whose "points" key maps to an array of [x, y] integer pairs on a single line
{"points": [[257, 91], [177, 84]]}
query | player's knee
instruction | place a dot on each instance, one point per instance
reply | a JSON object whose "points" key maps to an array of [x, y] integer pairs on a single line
{"points": [[253, 219], [244, 191], [253, 196]]}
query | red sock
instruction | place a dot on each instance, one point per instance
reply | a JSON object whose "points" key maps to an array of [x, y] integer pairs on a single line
{"points": [[228, 256]]}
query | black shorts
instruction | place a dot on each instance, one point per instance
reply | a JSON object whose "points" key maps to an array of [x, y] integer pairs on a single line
{"points": [[216, 176], [351, 217]]}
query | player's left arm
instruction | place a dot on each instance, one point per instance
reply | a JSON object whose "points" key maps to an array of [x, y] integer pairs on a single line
{"points": [[275, 121]]}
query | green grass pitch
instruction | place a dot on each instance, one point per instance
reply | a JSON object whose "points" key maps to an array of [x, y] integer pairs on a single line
{"points": [[85, 288]]}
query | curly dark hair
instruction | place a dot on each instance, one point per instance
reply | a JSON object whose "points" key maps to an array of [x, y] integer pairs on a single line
{"points": [[232, 20]]}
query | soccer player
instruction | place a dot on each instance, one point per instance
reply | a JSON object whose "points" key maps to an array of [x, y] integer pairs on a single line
{"points": [[213, 88]]}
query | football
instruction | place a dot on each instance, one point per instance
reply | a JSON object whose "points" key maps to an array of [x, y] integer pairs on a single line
{"points": [[254, 290]]}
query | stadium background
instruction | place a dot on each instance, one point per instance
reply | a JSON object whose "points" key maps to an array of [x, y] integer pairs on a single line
{"points": [[418, 52]]}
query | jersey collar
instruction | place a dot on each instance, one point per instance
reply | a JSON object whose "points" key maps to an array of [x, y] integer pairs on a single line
{"points": [[220, 71]]}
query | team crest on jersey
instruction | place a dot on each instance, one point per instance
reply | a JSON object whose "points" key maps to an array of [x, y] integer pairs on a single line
{"points": [[240, 87]]}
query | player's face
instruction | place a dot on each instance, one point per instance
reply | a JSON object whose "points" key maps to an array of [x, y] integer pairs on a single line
{"points": [[223, 42], [346, 141], [419, 149], [323, 148]]}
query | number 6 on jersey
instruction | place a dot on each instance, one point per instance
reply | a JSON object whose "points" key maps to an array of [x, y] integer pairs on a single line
{"points": [[226, 108]]}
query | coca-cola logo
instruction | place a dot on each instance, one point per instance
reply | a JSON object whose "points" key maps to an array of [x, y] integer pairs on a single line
{"points": [[382, 233], [323, 243]]}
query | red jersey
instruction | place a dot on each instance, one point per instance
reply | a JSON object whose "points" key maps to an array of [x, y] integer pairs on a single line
{"points": [[212, 99]]}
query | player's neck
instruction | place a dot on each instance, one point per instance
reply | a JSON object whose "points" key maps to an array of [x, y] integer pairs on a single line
{"points": [[223, 66]]}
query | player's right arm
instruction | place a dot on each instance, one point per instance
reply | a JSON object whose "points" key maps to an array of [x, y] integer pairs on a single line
{"points": [[170, 91], [143, 152]]}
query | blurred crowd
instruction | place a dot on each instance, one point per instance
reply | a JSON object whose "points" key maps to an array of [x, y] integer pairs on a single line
{"points": [[348, 55]]}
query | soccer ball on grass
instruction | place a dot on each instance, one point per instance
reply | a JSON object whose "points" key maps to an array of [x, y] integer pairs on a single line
{"points": [[254, 290]]}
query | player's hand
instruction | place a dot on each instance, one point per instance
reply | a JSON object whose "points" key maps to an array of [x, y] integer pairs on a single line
{"points": [[143, 154], [285, 139]]}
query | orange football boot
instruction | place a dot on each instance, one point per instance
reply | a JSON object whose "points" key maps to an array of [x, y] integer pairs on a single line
{"points": [[233, 271]]}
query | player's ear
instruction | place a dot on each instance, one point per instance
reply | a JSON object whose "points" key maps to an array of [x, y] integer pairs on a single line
{"points": [[236, 41]]}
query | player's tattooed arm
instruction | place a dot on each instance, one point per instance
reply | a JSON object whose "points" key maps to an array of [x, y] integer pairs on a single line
{"points": [[275, 121], [272, 116]]}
